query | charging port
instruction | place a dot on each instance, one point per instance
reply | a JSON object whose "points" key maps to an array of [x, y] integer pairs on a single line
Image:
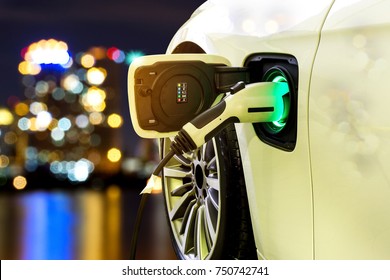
{"points": [[281, 134], [277, 75]]}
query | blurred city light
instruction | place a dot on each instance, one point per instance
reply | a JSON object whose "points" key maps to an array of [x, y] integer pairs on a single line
{"points": [[37, 107], [76, 171], [114, 120], [43, 121], [133, 55], [96, 76], [48, 52], [6, 117], [24, 124], [29, 68], [94, 100], [72, 84], [69, 123], [64, 124], [96, 118], [21, 109], [10, 138], [98, 53], [116, 55], [114, 155], [20, 182], [4, 161], [82, 121], [87, 60], [57, 134]]}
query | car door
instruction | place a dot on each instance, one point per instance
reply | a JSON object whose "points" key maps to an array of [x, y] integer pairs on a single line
{"points": [[349, 130]]}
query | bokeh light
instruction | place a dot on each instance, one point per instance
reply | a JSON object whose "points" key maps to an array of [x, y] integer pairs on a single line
{"points": [[96, 76], [98, 52], [116, 55], [94, 100], [87, 60], [72, 84], [21, 109], [75, 171], [41, 88], [24, 124], [63, 121], [64, 124], [28, 68], [20, 182], [133, 55], [58, 94], [4, 161], [96, 118], [37, 107], [6, 117], [57, 134], [43, 120], [10, 138], [48, 52], [114, 120], [114, 155], [82, 121]]}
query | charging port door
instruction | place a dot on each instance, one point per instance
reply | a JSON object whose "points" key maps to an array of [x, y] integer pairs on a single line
{"points": [[167, 91]]}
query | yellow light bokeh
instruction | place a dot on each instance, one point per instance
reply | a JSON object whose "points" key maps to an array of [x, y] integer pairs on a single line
{"points": [[115, 121], [53, 124], [29, 68], [93, 100], [114, 155], [87, 60], [33, 124], [6, 117], [47, 52], [4, 161], [19, 182], [96, 118], [96, 76]]}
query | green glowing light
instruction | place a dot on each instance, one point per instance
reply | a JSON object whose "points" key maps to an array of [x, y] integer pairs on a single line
{"points": [[278, 76]]}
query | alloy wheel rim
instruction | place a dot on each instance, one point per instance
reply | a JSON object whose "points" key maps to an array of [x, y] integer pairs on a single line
{"points": [[192, 194]]}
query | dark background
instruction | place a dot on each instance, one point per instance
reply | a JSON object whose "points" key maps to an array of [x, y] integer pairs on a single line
{"points": [[146, 25], [51, 222]]}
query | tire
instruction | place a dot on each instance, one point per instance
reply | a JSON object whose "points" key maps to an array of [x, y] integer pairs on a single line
{"points": [[206, 201]]}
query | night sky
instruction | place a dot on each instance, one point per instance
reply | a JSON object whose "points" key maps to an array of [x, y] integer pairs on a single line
{"points": [[146, 25]]}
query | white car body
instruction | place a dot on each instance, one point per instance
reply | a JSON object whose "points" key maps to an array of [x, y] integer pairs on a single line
{"points": [[329, 198]]}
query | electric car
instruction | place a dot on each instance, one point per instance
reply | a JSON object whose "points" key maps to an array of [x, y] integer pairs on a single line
{"points": [[315, 184]]}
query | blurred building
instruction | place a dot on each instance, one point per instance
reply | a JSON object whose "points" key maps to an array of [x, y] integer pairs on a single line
{"points": [[68, 127]]}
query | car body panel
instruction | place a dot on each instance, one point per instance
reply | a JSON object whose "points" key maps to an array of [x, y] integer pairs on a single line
{"points": [[349, 133], [278, 182], [329, 197]]}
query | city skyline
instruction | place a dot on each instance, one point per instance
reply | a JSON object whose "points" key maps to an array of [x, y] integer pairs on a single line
{"points": [[123, 29]]}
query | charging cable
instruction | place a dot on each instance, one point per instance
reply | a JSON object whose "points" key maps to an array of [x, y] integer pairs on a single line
{"points": [[252, 103]]}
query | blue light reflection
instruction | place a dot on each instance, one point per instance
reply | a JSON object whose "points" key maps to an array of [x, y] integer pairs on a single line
{"points": [[49, 224]]}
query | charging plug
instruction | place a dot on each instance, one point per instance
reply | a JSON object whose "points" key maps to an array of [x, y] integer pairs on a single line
{"points": [[253, 103]]}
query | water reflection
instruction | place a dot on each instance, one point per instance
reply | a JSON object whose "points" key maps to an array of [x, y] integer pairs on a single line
{"points": [[80, 224]]}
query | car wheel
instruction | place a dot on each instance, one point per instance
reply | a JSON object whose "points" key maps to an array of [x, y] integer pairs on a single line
{"points": [[206, 201]]}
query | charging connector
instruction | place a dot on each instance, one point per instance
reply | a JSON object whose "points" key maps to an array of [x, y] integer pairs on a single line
{"points": [[253, 103]]}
